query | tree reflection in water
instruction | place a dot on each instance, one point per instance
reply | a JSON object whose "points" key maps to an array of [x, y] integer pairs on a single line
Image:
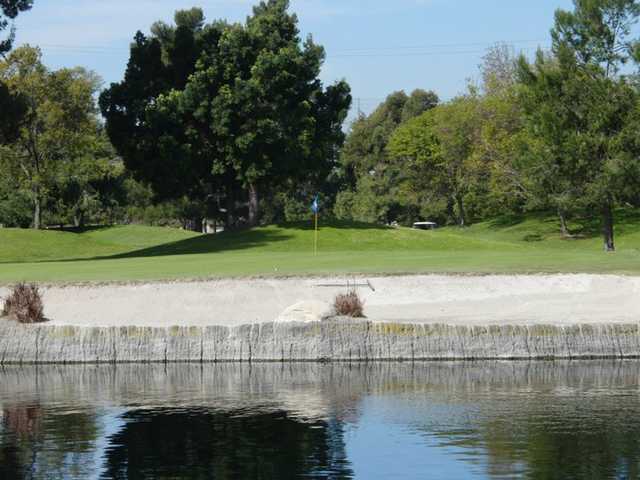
{"points": [[557, 444], [18, 455], [41, 443], [229, 445]]}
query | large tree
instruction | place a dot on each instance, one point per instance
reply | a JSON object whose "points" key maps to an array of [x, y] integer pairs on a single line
{"points": [[373, 184], [158, 152], [503, 143], [582, 108], [365, 146], [438, 147], [11, 108], [87, 186], [59, 126], [225, 111], [9, 10]]}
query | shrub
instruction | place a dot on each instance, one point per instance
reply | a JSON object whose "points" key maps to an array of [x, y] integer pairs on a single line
{"points": [[349, 305], [24, 304]]}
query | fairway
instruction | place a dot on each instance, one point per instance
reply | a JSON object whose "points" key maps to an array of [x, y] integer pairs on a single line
{"points": [[124, 253]]}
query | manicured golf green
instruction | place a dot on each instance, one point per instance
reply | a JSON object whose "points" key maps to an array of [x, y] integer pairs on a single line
{"points": [[508, 245]]}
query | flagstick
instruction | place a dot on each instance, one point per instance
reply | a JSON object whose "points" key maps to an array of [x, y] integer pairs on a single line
{"points": [[315, 239]]}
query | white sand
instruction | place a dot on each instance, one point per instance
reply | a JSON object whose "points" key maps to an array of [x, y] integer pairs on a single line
{"points": [[516, 299]]}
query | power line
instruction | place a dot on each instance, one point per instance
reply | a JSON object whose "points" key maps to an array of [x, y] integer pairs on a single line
{"points": [[83, 47], [418, 54], [377, 52], [443, 45]]}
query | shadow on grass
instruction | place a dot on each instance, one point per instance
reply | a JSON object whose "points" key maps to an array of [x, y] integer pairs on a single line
{"points": [[80, 230], [226, 241], [504, 221], [222, 242], [230, 241], [626, 221], [511, 220], [337, 224]]}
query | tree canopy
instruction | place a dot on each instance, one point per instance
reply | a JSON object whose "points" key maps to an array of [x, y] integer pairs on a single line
{"points": [[438, 148], [373, 189], [581, 108], [220, 111], [11, 108], [9, 10], [59, 127]]}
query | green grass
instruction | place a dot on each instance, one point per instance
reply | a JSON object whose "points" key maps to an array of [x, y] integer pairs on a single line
{"points": [[505, 245]]}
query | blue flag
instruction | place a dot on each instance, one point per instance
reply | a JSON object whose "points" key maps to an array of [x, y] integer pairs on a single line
{"points": [[315, 206]]}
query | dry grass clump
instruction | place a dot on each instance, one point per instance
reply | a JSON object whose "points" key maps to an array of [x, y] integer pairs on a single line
{"points": [[24, 304], [349, 305]]}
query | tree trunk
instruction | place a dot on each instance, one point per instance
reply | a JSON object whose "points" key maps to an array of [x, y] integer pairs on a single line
{"points": [[253, 205], [607, 227], [78, 219], [462, 216], [563, 223], [231, 207], [451, 211], [37, 211]]}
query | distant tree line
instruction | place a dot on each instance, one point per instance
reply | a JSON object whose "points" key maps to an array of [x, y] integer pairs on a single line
{"points": [[560, 133], [210, 121], [230, 122]]}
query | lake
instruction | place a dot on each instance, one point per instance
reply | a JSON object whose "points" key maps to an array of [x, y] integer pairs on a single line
{"points": [[431, 420]]}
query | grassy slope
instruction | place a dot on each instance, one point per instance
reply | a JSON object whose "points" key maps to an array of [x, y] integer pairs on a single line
{"points": [[30, 245], [135, 252]]}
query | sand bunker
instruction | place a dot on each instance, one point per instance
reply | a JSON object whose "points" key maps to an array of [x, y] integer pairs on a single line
{"points": [[517, 299], [503, 299]]}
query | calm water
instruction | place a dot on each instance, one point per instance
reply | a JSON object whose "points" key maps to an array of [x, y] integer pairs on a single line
{"points": [[542, 420]]}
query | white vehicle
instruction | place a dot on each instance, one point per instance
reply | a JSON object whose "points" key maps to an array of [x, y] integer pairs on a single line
{"points": [[425, 225]]}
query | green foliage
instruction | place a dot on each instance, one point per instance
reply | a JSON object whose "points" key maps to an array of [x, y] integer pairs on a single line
{"points": [[226, 111], [9, 10], [598, 32], [582, 111], [12, 106], [363, 206], [12, 112], [437, 152], [15, 207], [374, 187], [365, 146], [557, 135], [417, 103], [60, 124], [89, 188]]}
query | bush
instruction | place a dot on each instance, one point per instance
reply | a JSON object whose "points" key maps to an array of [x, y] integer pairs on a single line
{"points": [[349, 305], [15, 208], [24, 304]]}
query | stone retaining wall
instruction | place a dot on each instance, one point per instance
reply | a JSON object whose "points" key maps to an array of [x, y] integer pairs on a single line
{"points": [[331, 340]]}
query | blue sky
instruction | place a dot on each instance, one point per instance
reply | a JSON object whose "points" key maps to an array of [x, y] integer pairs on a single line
{"points": [[378, 46]]}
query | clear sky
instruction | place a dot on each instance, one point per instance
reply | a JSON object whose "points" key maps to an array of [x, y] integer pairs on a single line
{"points": [[378, 46]]}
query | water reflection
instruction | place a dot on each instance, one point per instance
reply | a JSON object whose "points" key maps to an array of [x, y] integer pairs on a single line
{"points": [[542, 420], [38, 442], [184, 444]]}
